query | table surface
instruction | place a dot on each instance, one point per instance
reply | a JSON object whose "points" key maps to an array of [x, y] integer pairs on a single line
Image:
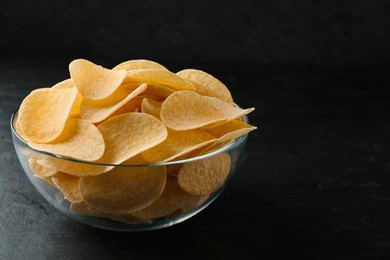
{"points": [[315, 182]]}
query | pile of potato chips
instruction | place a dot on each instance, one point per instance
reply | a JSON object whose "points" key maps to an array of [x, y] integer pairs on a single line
{"points": [[111, 130]]}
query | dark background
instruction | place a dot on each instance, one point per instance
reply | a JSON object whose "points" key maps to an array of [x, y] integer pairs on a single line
{"points": [[315, 181], [283, 32]]}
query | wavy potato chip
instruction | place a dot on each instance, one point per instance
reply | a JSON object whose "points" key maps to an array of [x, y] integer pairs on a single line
{"points": [[82, 141], [130, 134], [151, 107], [39, 169], [159, 77], [68, 83], [139, 64], [93, 81], [203, 177], [43, 113], [97, 110], [230, 131], [82, 208], [177, 144], [186, 110], [172, 199], [158, 92], [68, 185], [230, 111], [124, 189], [206, 84]]}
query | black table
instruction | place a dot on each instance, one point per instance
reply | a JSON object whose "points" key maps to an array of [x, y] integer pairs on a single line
{"points": [[315, 183]]}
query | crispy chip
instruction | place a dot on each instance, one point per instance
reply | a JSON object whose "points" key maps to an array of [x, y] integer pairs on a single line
{"points": [[159, 77], [18, 129], [206, 84], [72, 167], [40, 170], [151, 107], [83, 141], [130, 134], [93, 81], [139, 64], [133, 105], [69, 185], [230, 111], [185, 110], [124, 189], [203, 177], [230, 131], [46, 179], [172, 199], [177, 144], [158, 92], [68, 83], [43, 113], [97, 110], [82, 208]]}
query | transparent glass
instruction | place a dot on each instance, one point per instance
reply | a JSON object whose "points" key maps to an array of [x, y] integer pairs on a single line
{"points": [[56, 198]]}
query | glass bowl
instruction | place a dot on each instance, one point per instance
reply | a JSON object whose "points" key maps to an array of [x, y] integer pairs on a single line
{"points": [[176, 210]]}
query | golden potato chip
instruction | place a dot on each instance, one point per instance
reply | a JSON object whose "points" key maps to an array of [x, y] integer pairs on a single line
{"points": [[68, 83], [46, 179], [133, 105], [130, 134], [72, 167], [68, 185], [159, 77], [203, 177], [151, 107], [18, 129], [158, 92], [82, 208], [43, 113], [172, 199], [206, 84], [139, 64], [230, 111], [93, 81], [83, 142], [97, 110], [124, 189], [177, 143], [230, 131], [186, 110], [39, 169]]}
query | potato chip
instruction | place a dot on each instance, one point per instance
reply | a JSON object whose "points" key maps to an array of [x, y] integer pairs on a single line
{"points": [[46, 179], [82, 208], [130, 134], [203, 177], [151, 107], [139, 64], [206, 84], [68, 83], [186, 110], [177, 144], [172, 199], [133, 105], [83, 141], [72, 167], [43, 113], [158, 92], [97, 110], [159, 77], [68, 185], [124, 189], [93, 81], [230, 131], [39, 169], [19, 130], [230, 111]]}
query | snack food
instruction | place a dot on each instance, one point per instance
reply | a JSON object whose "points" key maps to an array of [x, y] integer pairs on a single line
{"points": [[109, 139]]}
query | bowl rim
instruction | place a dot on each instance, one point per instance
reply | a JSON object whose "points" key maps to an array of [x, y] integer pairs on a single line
{"points": [[231, 145]]}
